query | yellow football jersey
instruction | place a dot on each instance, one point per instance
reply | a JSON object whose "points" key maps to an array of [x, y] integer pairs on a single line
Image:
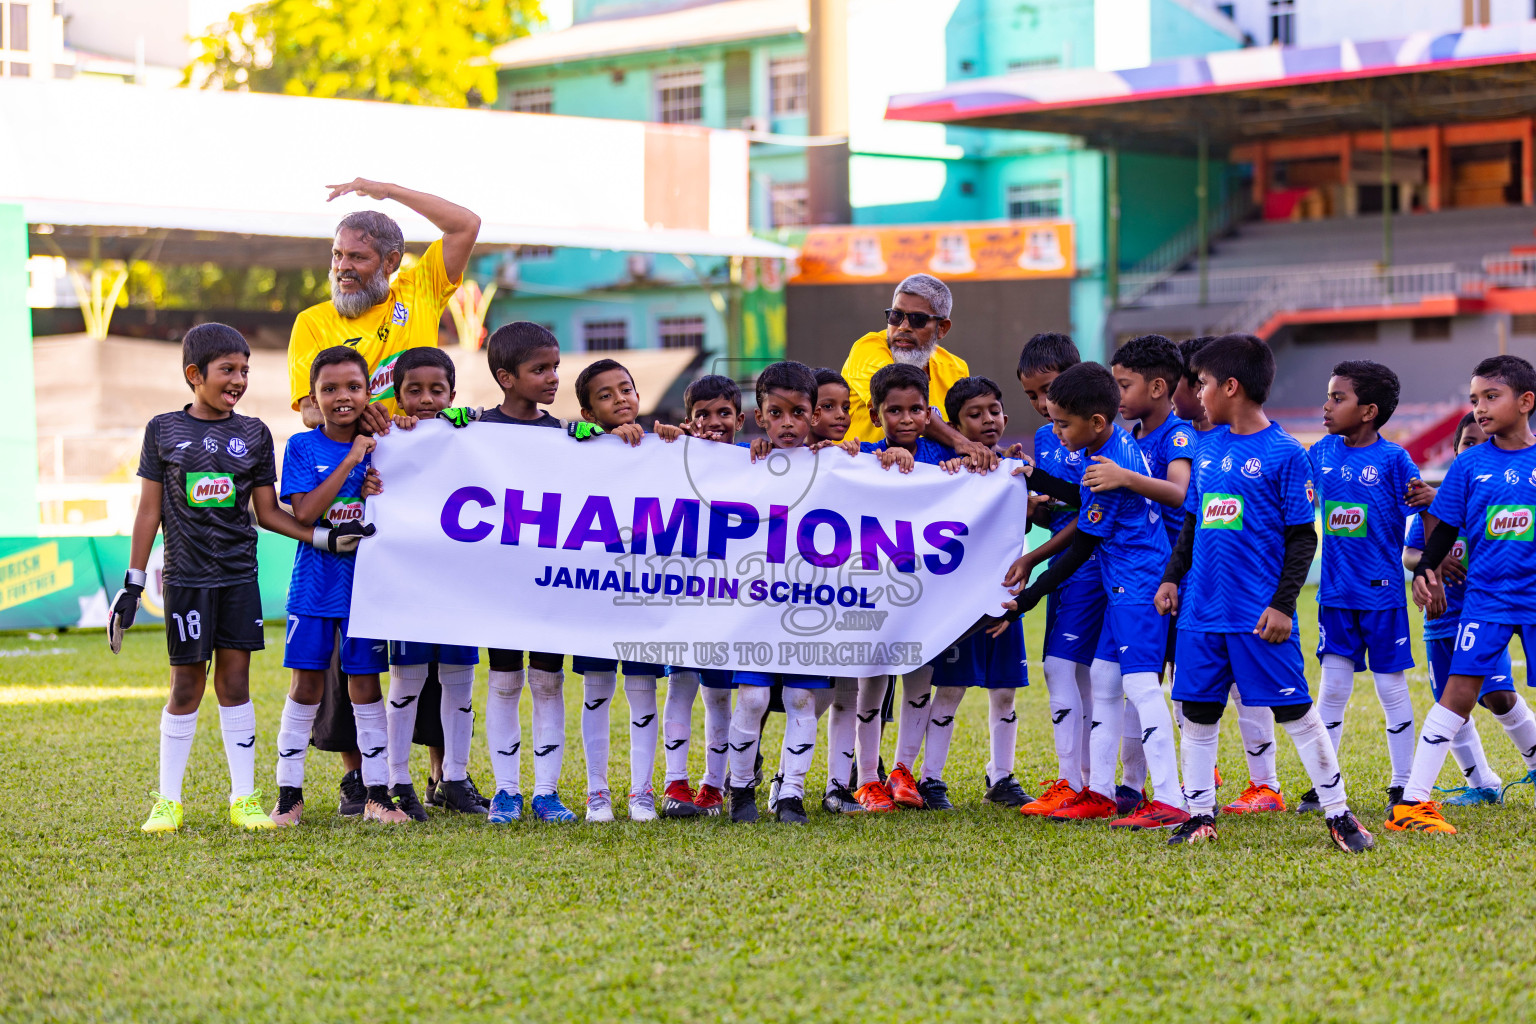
{"points": [[870, 353], [407, 318]]}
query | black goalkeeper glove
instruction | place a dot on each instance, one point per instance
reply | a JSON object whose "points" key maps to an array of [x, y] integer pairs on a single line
{"points": [[582, 430], [125, 606], [343, 539], [460, 417]]}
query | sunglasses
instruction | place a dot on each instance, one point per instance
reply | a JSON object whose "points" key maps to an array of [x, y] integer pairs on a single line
{"points": [[917, 320]]}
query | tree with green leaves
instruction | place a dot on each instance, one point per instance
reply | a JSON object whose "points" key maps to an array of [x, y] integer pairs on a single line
{"points": [[399, 51]]}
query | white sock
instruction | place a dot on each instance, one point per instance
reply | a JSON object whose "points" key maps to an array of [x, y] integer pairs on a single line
{"points": [[372, 741], [799, 739], [176, 734], [504, 729], [1108, 710], [1003, 729], [1199, 743], [717, 734], [293, 731], [1084, 679], [1315, 749], [871, 694], [677, 722], [457, 713], [1467, 749], [1338, 683], [841, 716], [1520, 726], [1440, 725], [548, 692], [405, 683], [940, 731], [596, 695], [1397, 707], [1257, 726], [640, 692], [1143, 690], [238, 724], [1067, 713], [1133, 759], [912, 717], [751, 702]]}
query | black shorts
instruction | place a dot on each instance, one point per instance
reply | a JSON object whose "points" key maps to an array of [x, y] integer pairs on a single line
{"points": [[428, 731], [201, 620], [335, 729], [1173, 637], [512, 661]]}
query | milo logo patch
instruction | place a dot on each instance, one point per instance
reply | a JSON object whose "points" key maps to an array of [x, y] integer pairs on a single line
{"points": [[381, 383], [1221, 512], [1344, 518], [1510, 522], [210, 490], [345, 510]]}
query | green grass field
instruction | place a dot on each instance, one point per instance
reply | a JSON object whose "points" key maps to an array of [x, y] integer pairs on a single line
{"points": [[976, 915]]}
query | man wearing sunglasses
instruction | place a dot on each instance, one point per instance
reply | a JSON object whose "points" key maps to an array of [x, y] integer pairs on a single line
{"points": [[917, 320]]}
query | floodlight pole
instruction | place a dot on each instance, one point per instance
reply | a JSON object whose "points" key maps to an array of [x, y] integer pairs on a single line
{"points": [[1112, 232], [1202, 211], [1386, 189]]}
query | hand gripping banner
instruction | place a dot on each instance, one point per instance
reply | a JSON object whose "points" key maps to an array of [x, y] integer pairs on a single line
{"points": [[684, 554]]}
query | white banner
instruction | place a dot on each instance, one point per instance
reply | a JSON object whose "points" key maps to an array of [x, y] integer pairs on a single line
{"points": [[681, 554]]}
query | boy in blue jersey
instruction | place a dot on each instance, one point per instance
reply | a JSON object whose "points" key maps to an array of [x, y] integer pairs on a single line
{"points": [[1483, 784], [1489, 497], [1234, 575], [1074, 613], [1126, 530], [1368, 487], [323, 472]]}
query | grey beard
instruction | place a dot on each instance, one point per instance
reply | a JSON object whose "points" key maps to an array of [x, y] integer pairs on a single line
{"points": [[915, 356], [351, 304]]}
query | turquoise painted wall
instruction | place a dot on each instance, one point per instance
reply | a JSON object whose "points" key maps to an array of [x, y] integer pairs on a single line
{"points": [[640, 311], [1179, 32], [18, 427]]}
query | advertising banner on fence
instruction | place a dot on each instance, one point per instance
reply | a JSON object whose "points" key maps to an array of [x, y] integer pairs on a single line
{"points": [[1008, 251], [687, 553]]}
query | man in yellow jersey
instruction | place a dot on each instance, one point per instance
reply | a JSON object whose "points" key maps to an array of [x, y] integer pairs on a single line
{"points": [[366, 311], [917, 320]]}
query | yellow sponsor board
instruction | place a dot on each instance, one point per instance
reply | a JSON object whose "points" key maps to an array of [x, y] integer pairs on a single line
{"points": [[32, 573]]}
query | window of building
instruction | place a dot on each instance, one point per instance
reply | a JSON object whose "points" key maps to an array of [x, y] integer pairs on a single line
{"points": [[1228, 11], [681, 331], [1282, 22], [532, 253], [787, 88], [680, 96], [1033, 63], [1036, 199], [1330, 334], [1522, 323], [789, 204], [16, 37], [533, 101], [604, 335], [1432, 328]]}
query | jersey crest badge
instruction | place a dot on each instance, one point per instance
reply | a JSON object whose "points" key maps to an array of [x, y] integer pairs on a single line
{"points": [[235, 446], [1369, 476], [1180, 441], [1511, 476], [1252, 468], [210, 446], [401, 314]]}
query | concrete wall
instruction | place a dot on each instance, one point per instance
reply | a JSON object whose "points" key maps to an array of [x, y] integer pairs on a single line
{"points": [[18, 427]]}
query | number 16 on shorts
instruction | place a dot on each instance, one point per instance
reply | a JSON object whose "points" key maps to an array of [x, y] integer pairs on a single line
{"points": [[1480, 646]]}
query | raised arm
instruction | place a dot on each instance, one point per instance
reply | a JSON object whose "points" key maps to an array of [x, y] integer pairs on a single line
{"points": [[459, 226]]}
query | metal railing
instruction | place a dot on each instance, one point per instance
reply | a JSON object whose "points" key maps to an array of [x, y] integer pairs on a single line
{"points": [[1510, 270], [1169, 258], [1339, 287]]}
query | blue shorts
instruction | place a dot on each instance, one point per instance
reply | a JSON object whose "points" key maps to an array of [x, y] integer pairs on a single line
{"points": [[1135, 636], [406, 652], [311, 641], [581, 665], [1482, 648], [1266, 675], [1440, 651], [1073, 617], [979, 660], [782, 679], [714, 678], [1351, 634]]}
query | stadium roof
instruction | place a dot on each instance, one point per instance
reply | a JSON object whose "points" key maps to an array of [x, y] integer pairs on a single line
{"points": [[187, 176], [727, 22], [1256, 92]]}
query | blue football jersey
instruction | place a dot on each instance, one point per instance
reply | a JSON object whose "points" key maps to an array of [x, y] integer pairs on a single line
{"points": [[1362, 493], [928, 452], [1489, 495], [322, 582], [1134, 548], [1173, 440], [1053, 457], [1444, 627], [1244, 490]]}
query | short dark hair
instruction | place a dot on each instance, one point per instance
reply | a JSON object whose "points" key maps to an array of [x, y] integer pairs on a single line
{"points": [[512, 345], [1187, 348], [584, 379], [710, 387], [825, 376], [1154, 357], [1461, 428], [1512, 370], [1048, 351], [206, 342], [1085, 390], [420, 356], [896, 375], [786, 375], [1375, 384], [965, 389], [334, 356], [1239, 357]]}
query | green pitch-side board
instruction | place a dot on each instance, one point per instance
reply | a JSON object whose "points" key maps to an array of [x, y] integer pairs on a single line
{"points": [[18, 427]]}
